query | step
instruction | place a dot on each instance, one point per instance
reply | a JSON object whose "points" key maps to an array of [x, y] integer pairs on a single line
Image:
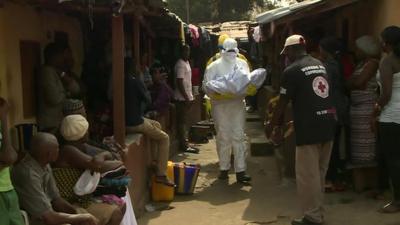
{"points": [[253, 117], [260, 147]]}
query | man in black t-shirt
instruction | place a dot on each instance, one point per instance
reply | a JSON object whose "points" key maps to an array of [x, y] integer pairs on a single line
{"points": [[305, 84]]}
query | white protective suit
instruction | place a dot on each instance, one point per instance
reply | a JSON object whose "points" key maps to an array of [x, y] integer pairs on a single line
{"points": [[228, 114]]}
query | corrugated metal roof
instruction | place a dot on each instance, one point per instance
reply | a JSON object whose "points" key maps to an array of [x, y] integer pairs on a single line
{"points": [[275, 14], [234, 29]]}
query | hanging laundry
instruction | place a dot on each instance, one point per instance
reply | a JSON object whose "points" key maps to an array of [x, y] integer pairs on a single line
{"points": [[195, 35], [257, 34]]}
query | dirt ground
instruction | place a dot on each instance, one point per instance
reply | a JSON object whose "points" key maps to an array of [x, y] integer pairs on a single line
{"points": [[266, 201]]}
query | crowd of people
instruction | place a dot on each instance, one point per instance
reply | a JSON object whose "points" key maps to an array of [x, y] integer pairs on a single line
{"points": [[39, 180], [326, 103], [363, 107]]}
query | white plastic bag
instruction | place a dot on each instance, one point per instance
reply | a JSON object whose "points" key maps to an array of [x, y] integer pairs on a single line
{"points": [[237, 82], [258, 76], [232, 83], [129, 217], [87, 183]]}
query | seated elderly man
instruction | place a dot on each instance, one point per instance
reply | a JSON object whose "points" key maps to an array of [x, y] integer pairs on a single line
{"points": [[74, 131], [38, 193]]}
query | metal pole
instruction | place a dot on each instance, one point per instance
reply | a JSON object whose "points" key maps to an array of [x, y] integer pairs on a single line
{"points": [[187, 12]]}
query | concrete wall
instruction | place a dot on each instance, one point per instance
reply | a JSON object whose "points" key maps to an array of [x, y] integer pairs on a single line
{"points": [[139, 159], [137, 162], [20, 22]]}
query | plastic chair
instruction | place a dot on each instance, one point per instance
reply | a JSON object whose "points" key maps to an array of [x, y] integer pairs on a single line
{"points": [[25, 216]]}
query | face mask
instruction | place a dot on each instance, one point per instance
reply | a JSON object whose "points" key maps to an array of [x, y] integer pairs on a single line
{"points": [[229, 56]]}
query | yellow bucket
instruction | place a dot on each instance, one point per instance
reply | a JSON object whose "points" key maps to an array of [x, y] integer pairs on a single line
{"points": [[161, 192]]}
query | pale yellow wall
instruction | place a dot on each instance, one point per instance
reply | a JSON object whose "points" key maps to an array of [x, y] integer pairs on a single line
{"points": [[368, 17], [20, 22], [3, 86], [384, 13], [372, 16]]}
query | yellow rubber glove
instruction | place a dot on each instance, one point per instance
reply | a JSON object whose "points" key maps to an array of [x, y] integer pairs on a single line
{"points": [[251, 90], [208, 105]]}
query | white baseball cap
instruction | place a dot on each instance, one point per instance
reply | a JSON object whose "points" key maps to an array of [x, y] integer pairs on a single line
{"points": [[294, 40]]}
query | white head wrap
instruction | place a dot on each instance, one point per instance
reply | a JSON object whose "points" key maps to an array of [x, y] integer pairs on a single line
{"points": [[369, 45], [74, 127]]}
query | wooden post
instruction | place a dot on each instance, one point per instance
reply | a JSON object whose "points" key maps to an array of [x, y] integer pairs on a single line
{"points": [[136, 40], [118, 79]]}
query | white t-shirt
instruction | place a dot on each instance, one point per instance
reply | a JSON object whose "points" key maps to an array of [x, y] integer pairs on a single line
{"points": [[391, 112], [183, 71]]}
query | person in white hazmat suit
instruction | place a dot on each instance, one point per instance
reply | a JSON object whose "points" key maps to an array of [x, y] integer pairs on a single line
{"points": [[228, 112]]}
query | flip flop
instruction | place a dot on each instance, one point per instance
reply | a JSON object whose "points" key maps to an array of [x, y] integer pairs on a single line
{"points": [[164, 180], [390, 208], [192, 150]]}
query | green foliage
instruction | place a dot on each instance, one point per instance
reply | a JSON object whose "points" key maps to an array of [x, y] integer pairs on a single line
{"points": [[217, 10]]}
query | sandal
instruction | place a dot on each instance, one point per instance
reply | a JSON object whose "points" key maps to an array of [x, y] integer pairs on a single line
{"points": [[329, 187], [390, 208], [192, 150], [339, 187], [164, 180]]}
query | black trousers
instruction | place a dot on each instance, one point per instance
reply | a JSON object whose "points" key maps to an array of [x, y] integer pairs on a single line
{"points": [[389, 144], [181, 115], [336, 163]]}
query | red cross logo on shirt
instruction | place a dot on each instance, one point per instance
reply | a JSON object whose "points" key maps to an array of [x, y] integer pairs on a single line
{"points": [[321, 87]]}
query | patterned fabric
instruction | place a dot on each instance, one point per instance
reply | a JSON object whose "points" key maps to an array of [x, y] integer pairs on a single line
{"points": [[363, 140], [72, 105], [66, 179], [101, 125], [185, 177]]}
